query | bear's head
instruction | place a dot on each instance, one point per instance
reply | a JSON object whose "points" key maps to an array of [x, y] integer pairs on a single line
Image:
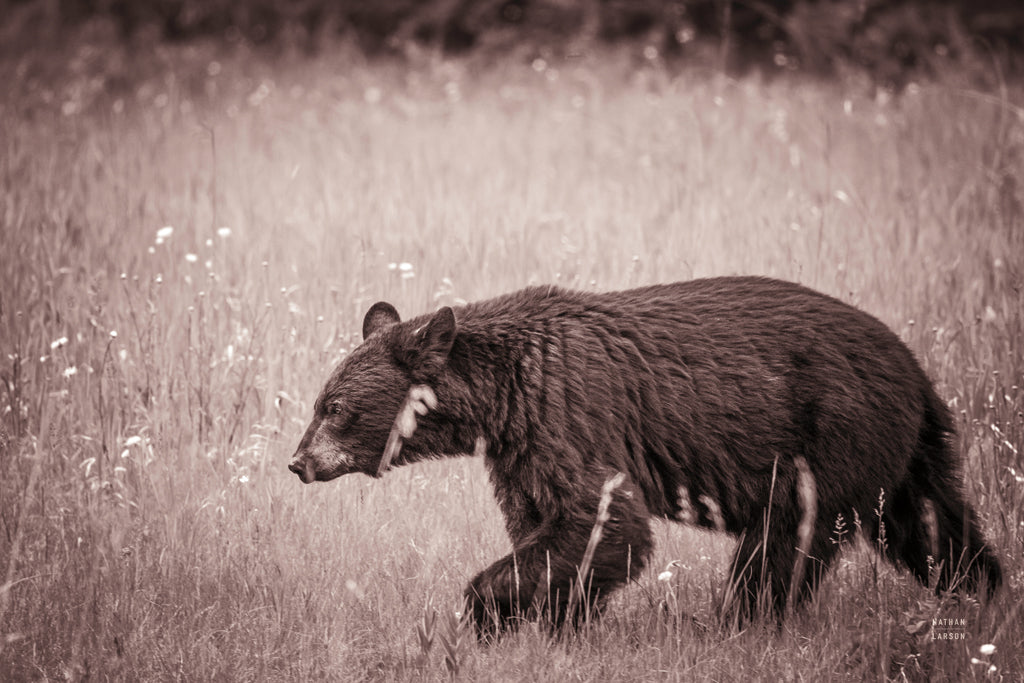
{"points": [[359, 406]]}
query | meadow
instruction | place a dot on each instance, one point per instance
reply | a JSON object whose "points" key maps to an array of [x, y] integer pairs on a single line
{"points": [[189, 238]]}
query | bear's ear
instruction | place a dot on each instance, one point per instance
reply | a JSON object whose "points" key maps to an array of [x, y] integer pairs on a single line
{"points": [[434, 341], [380, 314]]}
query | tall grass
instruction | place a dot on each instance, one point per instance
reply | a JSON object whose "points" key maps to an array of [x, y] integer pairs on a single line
{"points": [[191, 238]]}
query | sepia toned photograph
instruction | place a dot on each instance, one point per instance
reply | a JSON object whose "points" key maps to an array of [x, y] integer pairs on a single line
{"points": [[512, 340]]}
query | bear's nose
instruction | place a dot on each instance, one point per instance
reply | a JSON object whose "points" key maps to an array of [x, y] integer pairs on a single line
{"points": [[303, 468]]}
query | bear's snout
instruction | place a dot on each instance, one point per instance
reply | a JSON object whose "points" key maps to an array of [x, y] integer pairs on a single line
{"points": [[304, 468]]}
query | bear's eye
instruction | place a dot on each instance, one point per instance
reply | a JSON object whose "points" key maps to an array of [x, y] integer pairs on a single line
{"points": [[343, 419]]}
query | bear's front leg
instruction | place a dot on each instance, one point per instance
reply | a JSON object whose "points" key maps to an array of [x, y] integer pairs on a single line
{"points": [[538, 578]]}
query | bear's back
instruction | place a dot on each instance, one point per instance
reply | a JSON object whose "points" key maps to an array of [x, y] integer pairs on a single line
{"points": [[706, 383]]}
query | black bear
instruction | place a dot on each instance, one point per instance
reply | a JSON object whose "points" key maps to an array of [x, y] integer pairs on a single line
{"points": [[720, 400]]}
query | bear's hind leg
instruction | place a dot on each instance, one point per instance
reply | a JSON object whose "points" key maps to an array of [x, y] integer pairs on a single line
{"points": [[907, 536], [760, 582], [928, 516], [940, 531]]}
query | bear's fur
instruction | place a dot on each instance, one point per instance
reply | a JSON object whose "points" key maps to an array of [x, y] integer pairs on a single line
{"points": [[711, 396]]}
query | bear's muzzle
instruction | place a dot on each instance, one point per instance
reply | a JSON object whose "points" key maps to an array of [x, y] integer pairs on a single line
{"points": [[303, 467]]}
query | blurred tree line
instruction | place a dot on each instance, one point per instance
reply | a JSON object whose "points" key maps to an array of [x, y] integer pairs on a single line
{"points": [[881, 35]]}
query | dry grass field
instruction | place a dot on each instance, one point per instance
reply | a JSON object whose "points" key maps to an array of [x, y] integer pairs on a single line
{"points": [[189, 240]]}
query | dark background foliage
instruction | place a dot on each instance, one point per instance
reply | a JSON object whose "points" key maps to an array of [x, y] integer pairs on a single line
{"points": [[886, 37]]}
